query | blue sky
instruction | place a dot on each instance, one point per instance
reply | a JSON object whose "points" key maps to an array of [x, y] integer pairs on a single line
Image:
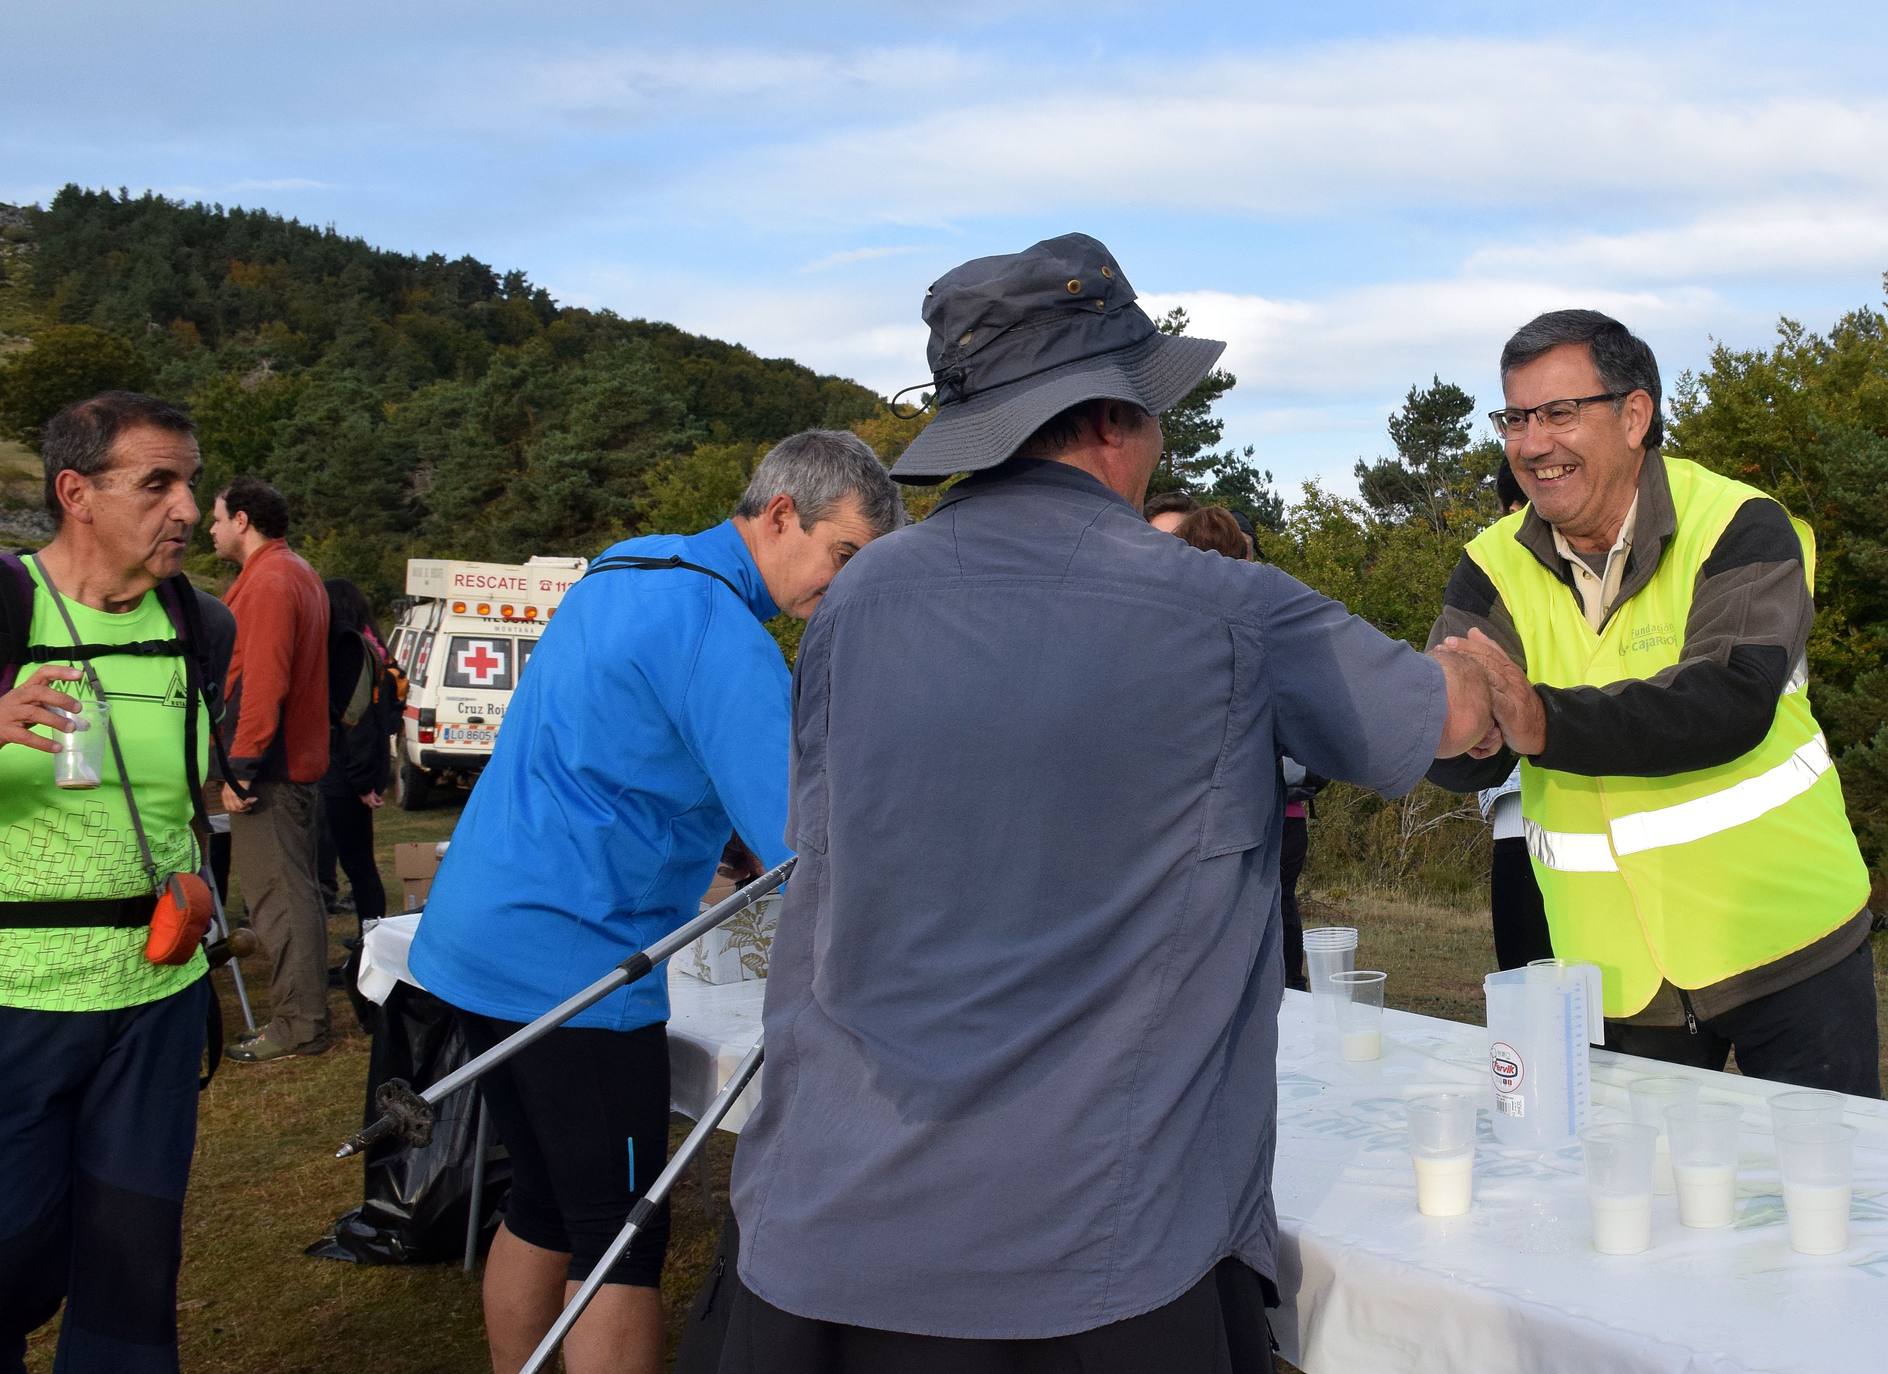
{"points": [[1357, 197]]}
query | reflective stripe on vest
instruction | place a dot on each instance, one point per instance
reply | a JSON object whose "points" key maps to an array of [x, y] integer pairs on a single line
{"points": [[1568, 851]]}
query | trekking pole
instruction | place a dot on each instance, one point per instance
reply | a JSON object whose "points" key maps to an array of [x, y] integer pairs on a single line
{"points": [[409, 1115], [645, 1208], [221, 930]]}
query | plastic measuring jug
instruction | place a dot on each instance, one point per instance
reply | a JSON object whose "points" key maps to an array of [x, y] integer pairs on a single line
{"points": [[1540, 1021]]}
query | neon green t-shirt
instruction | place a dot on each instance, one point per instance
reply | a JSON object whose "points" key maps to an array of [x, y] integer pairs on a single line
{"points": [[59, 845]]}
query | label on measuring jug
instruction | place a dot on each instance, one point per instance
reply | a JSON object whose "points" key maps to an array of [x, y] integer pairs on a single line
{"points": [[1504, 1062]]}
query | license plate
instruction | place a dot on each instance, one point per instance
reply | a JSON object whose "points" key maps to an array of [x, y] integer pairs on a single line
{"points": [[481, 736]]}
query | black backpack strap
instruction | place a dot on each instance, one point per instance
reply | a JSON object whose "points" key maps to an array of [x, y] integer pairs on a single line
{"points": [[627, 563], [179, 599]]}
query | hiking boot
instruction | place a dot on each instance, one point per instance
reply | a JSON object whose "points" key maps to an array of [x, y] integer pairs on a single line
{"points": [[262, 1047]]}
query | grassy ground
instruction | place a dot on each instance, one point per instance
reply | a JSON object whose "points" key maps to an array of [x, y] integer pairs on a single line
{"points": [[21, 475], [265, 1184]]}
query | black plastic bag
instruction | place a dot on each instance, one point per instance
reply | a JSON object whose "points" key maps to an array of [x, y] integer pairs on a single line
{"points": [[416, 1199]]}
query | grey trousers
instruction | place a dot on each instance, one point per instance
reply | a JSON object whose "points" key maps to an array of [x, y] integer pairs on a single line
{"points": [[273, 853]]}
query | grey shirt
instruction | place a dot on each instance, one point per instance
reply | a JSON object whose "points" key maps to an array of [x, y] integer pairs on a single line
{"points": [[1022, 1009]]}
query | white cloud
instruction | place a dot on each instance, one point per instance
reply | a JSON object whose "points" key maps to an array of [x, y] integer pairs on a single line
{"points": [[640, 84], [283, 184], [851, 256], [1410, 124], [1790, 239]]}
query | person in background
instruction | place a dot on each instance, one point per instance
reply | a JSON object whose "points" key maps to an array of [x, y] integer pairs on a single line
{"points": [[363, 714], [1244, 522], [1514, 898], [278, 751], [1165, 511], [1301, 790], [1212, 528]]}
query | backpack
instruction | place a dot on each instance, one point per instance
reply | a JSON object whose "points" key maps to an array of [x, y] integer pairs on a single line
{"points": [[378, 690]]}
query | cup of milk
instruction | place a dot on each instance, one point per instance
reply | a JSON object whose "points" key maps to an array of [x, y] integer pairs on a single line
{"points": [[1651, 1098], [1619, 1185], [1815, 1160], [1442, 1150], [1359, 1013], [1703, 1152]]}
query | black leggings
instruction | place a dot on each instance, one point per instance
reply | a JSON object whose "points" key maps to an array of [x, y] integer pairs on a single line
{"points": [[351, 827]]}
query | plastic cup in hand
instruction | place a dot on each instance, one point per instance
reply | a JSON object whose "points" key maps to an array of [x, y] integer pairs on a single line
{"points": [[1442, 1148], [1703, 1138], [1619, 1185], [1805, 1107], [1815, 1160], [1328, 950], [1359, 1013], [1651, 1099], [80, 762]]}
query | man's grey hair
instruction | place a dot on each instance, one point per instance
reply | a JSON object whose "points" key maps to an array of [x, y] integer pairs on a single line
{"points": [[80, 437], [1622, 358], [819, 469]]}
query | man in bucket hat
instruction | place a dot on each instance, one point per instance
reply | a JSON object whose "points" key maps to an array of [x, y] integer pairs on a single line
{"points": [[1022, 1011]]}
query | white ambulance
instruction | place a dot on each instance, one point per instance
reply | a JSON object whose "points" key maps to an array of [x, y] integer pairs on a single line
{"points": [[462, 642]]}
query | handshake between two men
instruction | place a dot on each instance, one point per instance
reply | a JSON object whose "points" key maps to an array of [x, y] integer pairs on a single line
{"points": [[1491, 701]]}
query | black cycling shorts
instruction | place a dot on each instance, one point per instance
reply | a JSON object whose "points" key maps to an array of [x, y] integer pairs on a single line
{"points": [[572, 1110]]}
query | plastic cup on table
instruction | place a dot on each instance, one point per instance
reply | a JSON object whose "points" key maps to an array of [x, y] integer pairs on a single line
{"points": [[1442, 1151], [1806, 1107], [1359, 1013], [1703, 1138], [1328, 950], [1619, 1185], [1651, 1098], [1815, 1160]]}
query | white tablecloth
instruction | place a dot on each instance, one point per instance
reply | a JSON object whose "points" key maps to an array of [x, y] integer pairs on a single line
{"points": [[1371, 1284], [710, 1026]]}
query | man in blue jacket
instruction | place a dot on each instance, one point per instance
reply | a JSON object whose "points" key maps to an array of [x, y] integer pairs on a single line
{"points": [[652, 722]]}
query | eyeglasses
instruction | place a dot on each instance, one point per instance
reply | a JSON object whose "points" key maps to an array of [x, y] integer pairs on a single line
{"points": [[1554, 416]]}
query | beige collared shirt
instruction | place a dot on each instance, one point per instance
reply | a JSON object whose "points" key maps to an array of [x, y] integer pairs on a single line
{"points": [[1599, 590]]}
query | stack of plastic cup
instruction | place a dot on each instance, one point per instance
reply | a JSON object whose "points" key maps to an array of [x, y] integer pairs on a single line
{"points": [[1442, 1149], [1359, 1013], [1619, 1185], [1651, 1099], [1328, 950], [1815, 1160], [1703, 1139]]}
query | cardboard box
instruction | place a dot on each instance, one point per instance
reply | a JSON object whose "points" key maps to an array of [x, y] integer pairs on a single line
{"points": [[414, 865], [737, 950]]}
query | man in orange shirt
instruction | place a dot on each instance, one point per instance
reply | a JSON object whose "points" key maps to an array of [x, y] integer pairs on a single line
{"points": [[278, 699]]}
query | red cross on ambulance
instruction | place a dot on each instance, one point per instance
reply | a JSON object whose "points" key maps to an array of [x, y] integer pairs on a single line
{"points": [[481, 661]]}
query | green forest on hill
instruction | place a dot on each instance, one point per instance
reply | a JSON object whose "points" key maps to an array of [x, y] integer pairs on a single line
{"points": [[414, 406]]}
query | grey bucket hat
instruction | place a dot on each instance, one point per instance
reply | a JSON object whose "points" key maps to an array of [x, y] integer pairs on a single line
{"points": [[1018, 338]]}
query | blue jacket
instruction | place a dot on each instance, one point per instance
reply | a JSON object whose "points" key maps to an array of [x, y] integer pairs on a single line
{"points": [[651, 720]]}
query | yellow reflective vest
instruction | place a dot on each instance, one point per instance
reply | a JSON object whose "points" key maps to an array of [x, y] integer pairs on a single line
{"points": [[1698, 876]]}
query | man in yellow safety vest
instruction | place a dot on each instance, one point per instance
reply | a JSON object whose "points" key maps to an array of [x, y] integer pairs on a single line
{"points": [[1643, 622]]}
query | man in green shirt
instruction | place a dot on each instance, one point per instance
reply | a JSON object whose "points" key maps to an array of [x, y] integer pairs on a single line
{"points": [[99, 1047]]}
